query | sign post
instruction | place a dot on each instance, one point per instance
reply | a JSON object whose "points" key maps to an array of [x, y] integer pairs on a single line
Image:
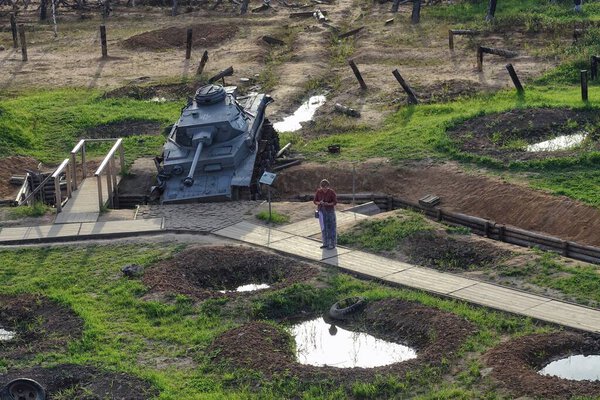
{"points": [[268, 178]]}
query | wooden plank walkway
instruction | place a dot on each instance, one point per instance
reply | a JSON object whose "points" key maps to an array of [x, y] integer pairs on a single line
{"points": [[368, 265], [83, 204], [310, 227]]}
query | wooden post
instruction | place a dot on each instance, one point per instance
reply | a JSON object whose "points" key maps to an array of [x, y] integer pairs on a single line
{"points": [[188, 47], [515, 78], [491, 11], [174, 9], [416, 12], [103, 41], [57, 194], [13, 29], [43, 10], [350, 33], [412, 98], [203, 62], [584, 85], [480, 59], [74, 170], [99, 184], [395, 6], [362, 83], [23, 42], [594, 67], [450, 39], [244, 7]]}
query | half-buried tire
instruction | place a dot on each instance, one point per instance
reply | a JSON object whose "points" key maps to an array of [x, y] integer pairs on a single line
{"points": [[343, 309]]}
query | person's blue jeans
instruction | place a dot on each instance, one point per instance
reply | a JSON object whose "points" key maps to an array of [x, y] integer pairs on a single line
{"points": [[329, 228]]}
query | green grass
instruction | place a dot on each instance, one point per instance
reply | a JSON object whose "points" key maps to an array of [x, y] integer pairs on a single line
{"points": [[275, 217], [38, 209], [124, 332]]}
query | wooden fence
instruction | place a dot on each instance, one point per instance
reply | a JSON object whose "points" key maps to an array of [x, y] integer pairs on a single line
{"points": [[480, 226]]}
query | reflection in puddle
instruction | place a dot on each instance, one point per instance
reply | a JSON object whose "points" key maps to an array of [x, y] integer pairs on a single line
{"points": [[248, 288], [304, 113], [558, 143], [6, 335], [320, 344], [577, 368]]}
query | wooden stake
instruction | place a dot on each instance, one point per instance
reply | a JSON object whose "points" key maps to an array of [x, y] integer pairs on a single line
{"points": [[416, 12], [491, 11], [480, 59], [515, 78], [395, 6], [103, 41], [43, 10], [450, 39], [351, 33], [584, 85], [23, 42], [594, 67], [188, 46], [362, 83], [221, 75], [273, 41], [412, 98], [13, 29], [244, 7], [203, 62]]}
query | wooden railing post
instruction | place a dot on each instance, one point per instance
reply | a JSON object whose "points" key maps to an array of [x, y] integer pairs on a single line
{"points": [[99, 182], [109, 189], [74, 170], [121, 158], [83, 164], [57, 194]]}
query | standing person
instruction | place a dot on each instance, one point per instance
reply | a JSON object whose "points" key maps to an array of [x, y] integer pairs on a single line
{"points": [[326, 199]]}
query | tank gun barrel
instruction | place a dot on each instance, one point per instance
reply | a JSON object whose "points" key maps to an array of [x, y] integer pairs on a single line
{"points": [[189, 179]]}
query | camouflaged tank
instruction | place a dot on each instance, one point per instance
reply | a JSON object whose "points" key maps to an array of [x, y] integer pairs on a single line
{"points": [[218, 149]]}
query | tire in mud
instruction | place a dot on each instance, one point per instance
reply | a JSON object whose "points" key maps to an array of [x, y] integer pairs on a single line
{"points": [[344, 309]]}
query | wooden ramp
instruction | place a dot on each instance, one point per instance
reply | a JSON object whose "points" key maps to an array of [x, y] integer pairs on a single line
{"points": [[83, 205], [284, 239]]}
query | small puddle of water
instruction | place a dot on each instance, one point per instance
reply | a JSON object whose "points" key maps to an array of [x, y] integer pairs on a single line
{"points": [[578, 368], [558, 143], [248, 288], [320, 344], [304, 113], [5, 335]]}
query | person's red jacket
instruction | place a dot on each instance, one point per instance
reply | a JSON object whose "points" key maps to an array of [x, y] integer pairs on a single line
{"points": [[327, 196]]}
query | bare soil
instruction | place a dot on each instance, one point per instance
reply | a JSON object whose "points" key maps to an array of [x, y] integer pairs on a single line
{"points": [[201, 272], [83, 382], [515, 365], [40, 326], [492, 135], [10, 166], [435, 334], [204, 35]]}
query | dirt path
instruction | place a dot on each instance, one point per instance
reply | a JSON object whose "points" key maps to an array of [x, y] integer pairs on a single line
{"points": [[470, 193]]}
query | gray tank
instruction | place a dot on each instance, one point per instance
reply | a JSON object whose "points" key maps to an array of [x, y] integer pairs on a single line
{"points": [[218, 149]]}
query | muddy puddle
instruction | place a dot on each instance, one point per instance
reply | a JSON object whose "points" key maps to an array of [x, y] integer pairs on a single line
{"points": [[304, 113], [5, 335], [251, 287], [321, 344], [577, 367], [564, 142]]}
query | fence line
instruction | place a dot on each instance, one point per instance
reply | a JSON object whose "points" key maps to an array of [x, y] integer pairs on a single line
{"points": [[480, 226]]}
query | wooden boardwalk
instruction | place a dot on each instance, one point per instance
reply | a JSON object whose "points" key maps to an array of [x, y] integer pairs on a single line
{"points": [[292, 240], [83, 205]]}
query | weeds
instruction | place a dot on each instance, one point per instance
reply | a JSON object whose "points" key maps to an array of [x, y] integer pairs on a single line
{"points": [[275, 217]]}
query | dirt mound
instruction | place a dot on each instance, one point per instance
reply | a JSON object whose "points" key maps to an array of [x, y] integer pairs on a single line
{"points": [[168, 92], [446, 253], [204, 35], [39, 325], [469, 193], [84, 382], [505, 136], [13, 165], [204, 272], [435, 334], [516, 363], [122, 129]]}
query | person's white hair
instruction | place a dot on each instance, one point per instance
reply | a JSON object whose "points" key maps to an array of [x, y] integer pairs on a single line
{"points": [[324, 183]]}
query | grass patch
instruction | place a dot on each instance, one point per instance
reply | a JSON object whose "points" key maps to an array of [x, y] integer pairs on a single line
{"points": [[36, 210], [385, 234], [275, 217]]}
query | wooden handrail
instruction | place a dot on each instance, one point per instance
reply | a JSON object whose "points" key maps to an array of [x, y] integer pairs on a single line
{"points": [[111, 181], [110, 154]]}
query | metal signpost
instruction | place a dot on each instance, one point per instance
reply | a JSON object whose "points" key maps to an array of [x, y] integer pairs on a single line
{"points": [[267, 179]]}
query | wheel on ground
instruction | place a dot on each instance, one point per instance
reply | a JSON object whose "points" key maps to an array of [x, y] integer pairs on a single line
{"points": [[343, 309], [24, 389]]}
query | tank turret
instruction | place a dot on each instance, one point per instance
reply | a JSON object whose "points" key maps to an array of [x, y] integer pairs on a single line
{"points": [[218, 148]]}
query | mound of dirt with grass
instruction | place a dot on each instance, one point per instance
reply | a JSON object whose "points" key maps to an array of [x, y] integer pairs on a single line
{"points": [[435, 334], [204, 36], [168, 92], [505, 136], [14, 165], [122, 129], [38, 323], [446, 253], [515, 365], [84, 382], [216, 271]]}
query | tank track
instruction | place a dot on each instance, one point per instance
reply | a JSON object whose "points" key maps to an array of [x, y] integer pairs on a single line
{"points": [[265, 159]]}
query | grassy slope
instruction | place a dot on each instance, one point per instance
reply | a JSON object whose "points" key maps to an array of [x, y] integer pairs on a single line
{"points": [[126, 333]]}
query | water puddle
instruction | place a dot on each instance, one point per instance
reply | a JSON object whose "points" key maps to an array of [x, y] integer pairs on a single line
{"points": [[248, 288], [304, 113], [320, 344], [563, 142], [578, 368], [5, 335]]}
